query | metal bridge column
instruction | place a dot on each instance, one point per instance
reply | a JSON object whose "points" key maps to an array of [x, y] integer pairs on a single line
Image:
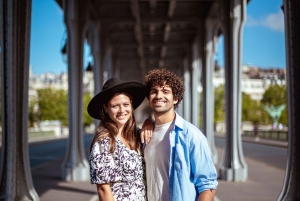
{"points": [[75, 166], [208, 89], [15, 172], [233, 167], [96, 49], [187, 92], [291, 186], [196, 74]]}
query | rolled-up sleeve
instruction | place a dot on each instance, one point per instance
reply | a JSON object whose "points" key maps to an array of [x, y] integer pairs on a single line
{"points": [[204, 175]]}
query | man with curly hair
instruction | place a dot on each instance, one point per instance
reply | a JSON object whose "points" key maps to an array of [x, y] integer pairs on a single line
{"points": [[178, 161]]}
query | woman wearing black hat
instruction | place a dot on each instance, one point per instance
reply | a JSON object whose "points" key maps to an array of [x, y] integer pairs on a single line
{"points": [[116, 162]]}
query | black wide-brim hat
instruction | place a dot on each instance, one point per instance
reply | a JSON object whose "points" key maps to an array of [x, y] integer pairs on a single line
{"points": [[112, 86]]}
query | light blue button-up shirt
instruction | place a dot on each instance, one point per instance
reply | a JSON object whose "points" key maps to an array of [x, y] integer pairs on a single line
{"points": [[191, 168]]}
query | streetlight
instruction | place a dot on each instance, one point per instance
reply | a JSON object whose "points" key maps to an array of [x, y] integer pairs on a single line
{"points": [[63, 43], [64, 52]]}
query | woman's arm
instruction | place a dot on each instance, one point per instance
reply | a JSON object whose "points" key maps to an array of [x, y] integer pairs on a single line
{"points": [[147, 130], [104, 192]]}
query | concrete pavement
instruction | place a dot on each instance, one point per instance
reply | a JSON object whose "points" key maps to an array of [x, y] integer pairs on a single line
{"points": [[264, 182]]}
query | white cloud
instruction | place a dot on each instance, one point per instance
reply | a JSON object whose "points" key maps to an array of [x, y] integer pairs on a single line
{"points": [[250, 21], [274, 21]]}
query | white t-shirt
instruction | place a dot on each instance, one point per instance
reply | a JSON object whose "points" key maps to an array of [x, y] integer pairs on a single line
{"points": [[157, 157]]}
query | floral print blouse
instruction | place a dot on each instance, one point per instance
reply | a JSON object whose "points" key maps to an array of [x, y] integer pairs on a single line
{"points": [[124, 170]]}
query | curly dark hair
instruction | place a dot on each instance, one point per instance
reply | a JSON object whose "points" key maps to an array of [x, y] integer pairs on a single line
{"points": [[160, 77]]}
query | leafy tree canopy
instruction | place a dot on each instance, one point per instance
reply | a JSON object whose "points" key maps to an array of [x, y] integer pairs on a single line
{"points": [[52, 105], [276, 95], [219, 109], [251, 109], [87, 119]]}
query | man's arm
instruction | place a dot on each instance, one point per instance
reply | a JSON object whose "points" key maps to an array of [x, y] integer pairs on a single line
{"points": [[203, 168], [207, 195]]}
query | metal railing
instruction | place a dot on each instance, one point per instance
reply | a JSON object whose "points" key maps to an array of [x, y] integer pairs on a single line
{"points": [[270, 134]]}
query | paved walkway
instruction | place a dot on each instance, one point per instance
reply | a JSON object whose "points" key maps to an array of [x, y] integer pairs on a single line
{"points": [[264, 183]]}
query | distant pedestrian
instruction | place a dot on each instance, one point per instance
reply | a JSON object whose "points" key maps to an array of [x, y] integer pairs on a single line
{"points": [[255, 130]]}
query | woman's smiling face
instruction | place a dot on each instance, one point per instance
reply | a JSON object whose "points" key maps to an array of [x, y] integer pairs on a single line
{"points": [[119, 109]]}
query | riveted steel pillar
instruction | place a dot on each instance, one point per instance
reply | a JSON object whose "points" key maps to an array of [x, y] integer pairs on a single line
{"points": [[15, 172], [233, 167], [96, 49], [75, 166], [291, 186], [179, 109], [107, 59], [208, 88], [187, 92], [196, 74]]}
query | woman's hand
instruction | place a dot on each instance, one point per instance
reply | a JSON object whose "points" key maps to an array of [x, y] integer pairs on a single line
{"points": [[147, 130], [104, 192]]}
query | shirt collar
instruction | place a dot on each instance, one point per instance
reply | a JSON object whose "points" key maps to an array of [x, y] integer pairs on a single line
{"points": [[179, 121]]}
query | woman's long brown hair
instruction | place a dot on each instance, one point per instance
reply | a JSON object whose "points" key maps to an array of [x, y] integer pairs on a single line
{"points": [[108, 128]]}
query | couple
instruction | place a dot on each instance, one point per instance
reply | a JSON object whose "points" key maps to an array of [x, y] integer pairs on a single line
{"points": [[177, 160]]}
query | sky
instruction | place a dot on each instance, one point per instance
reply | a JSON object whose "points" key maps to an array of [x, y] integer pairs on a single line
{"points": [[263, 37]]}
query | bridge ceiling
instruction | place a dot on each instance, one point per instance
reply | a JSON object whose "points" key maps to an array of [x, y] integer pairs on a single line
{"points": [[147, 34]]}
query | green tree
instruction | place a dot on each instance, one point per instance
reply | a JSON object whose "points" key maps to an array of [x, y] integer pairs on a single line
{"points": [[52, 105], [32, 113], [87, 119], [252, 111], [276, 95], [219, 109]]}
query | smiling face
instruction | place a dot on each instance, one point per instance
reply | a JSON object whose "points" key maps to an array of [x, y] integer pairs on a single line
{"points": [[161, 99], [119, 109]]}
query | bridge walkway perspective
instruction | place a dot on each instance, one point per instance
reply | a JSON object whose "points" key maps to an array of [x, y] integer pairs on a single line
{"points": [[264, 181]]}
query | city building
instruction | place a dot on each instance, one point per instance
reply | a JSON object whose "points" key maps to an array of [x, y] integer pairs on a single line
{"points": [[57, 82], [255, 81]]}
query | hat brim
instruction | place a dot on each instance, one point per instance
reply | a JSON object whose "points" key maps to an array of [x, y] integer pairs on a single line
{"points": [[134, 88]]}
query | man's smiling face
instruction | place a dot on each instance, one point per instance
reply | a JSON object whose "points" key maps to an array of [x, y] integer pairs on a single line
{"points": [[161, 99]]}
